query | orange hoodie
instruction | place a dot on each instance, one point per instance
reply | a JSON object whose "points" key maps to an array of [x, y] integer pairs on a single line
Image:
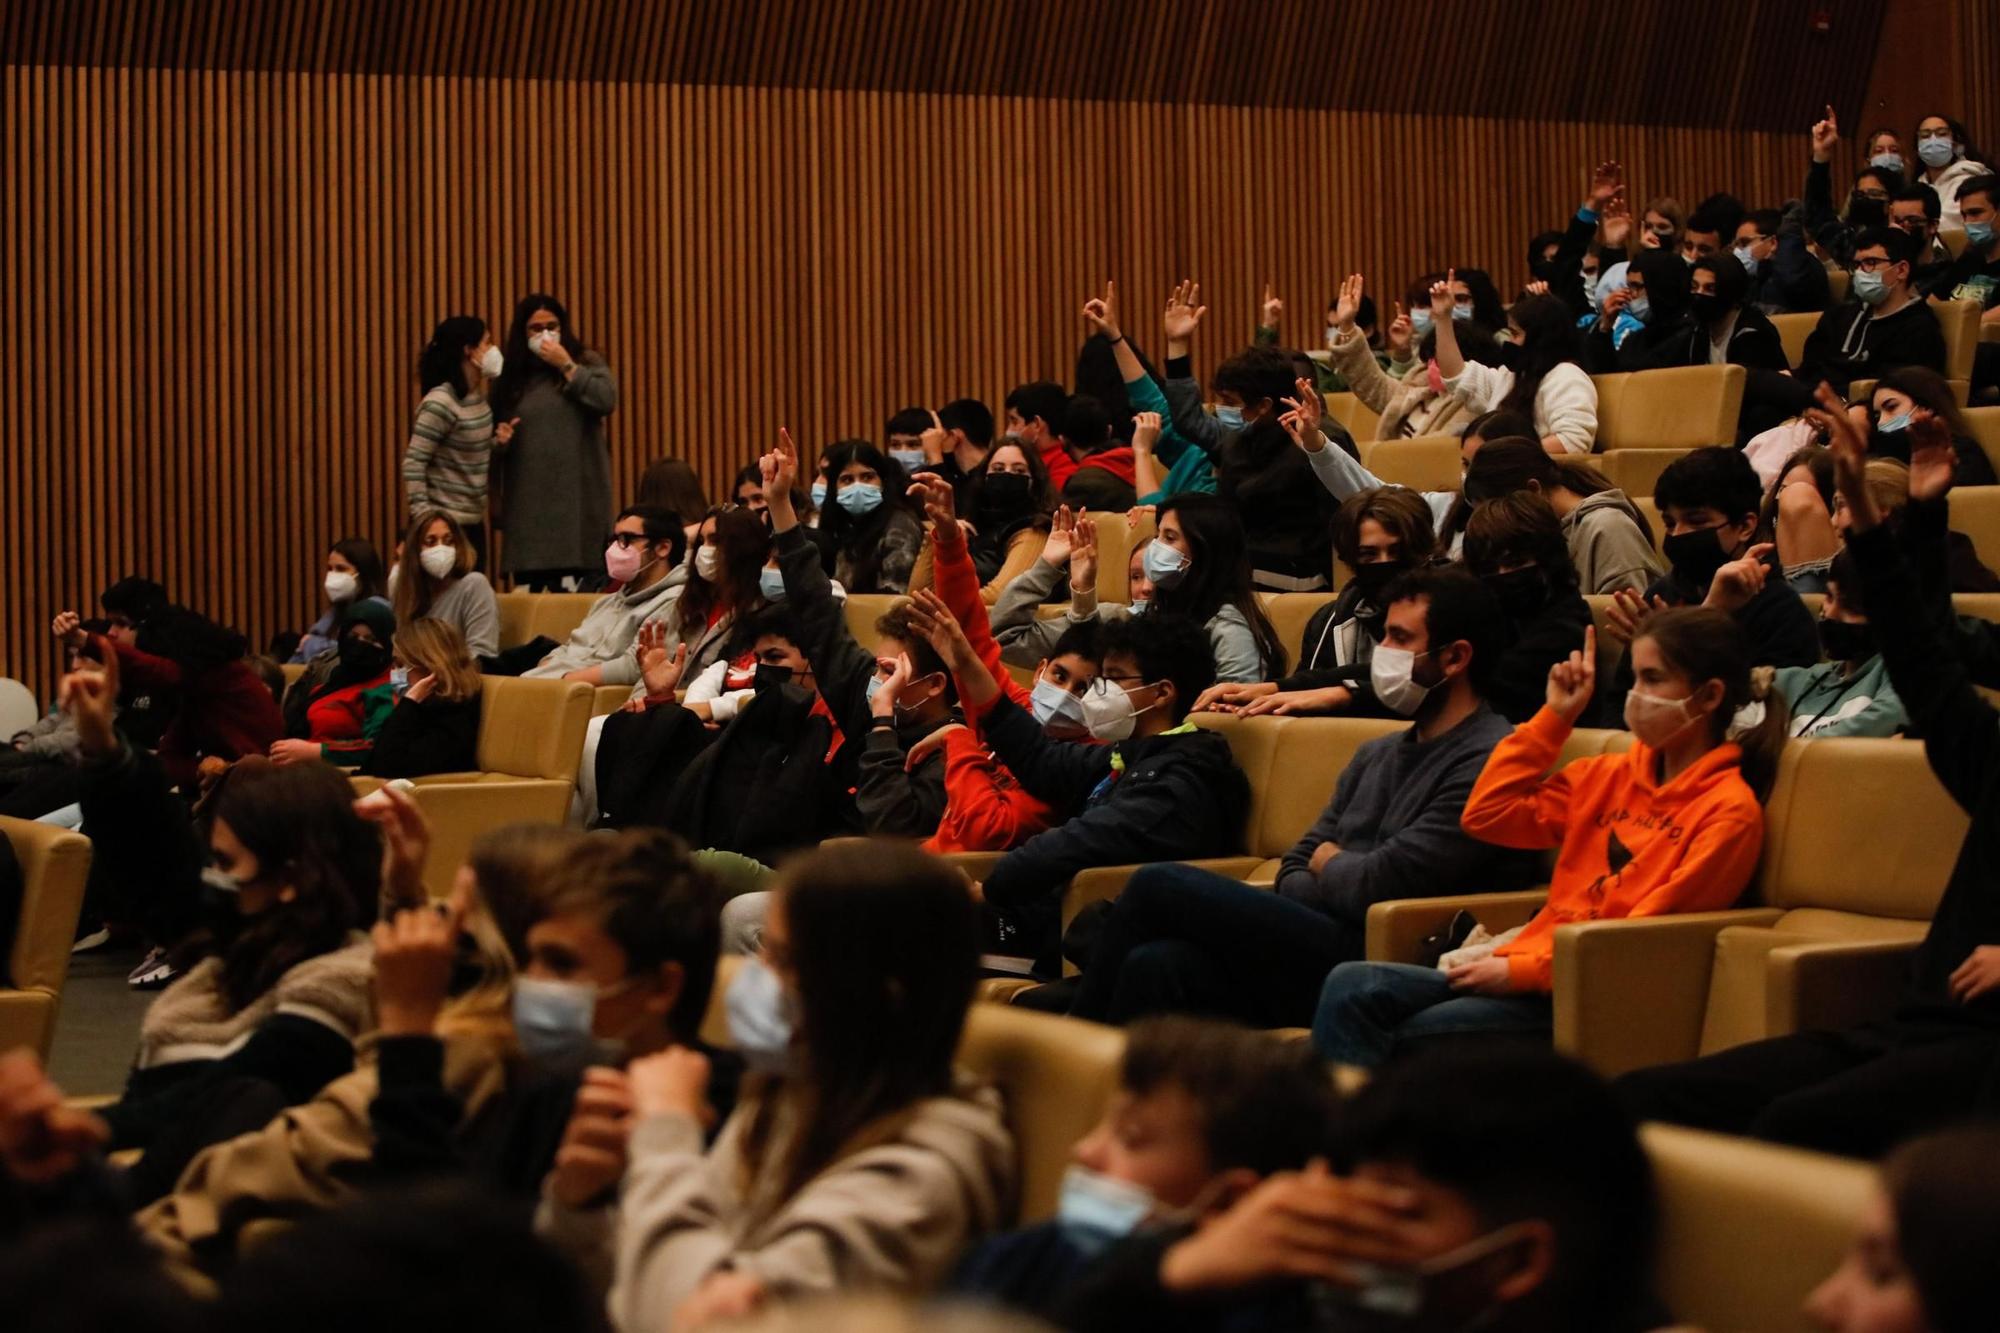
{"points": [[1629, 846]]}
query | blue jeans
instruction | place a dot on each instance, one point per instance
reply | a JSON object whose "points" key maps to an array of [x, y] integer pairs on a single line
{"points": [[1370, 1011]]}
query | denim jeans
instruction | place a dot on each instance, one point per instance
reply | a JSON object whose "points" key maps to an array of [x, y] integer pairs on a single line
{"points": [[1368, 1011]]}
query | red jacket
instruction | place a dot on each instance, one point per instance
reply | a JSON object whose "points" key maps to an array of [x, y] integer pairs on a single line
{"points": [[1060, 465], [1118, 462], [226, 711], [985, 809]]}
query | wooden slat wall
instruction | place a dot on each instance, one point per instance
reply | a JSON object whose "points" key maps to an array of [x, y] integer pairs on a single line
{"points": [[219, 281]]}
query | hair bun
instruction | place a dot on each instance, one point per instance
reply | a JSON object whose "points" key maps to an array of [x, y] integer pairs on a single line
{"points": [[1761, 680]]}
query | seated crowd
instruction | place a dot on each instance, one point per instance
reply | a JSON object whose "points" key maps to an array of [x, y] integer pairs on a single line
{"points": [[696, 1057]]}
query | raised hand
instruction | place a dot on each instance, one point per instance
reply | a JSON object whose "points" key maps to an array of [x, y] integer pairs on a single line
{"points": [[779, 470], [1398, 334], [1629, 611], [406, 843], [1606, 183], [1825, 137], [591, 1159], [659, 667], [940, 502], [89, 694], [1145, 432], [1184, 312], [1302, 417], [1347, 306], [930, 617], [1571, 683], [1933, 462], [933, 441], [1083, 554], [1740, 580], [1616, 223], [1061, 541], [1101, 313], [1270, 310], [1537, 288], [1441, 299], [414, 952], [68, 630], [1849, 447]]}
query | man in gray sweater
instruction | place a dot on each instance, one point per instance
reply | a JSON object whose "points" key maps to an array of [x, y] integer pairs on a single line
{"points": [[1183, 939]]}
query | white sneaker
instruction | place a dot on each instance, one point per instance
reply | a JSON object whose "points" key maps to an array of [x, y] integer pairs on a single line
{"points": [[152, 972], [95, 939]]}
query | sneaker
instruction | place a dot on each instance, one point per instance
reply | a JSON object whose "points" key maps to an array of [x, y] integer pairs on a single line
{"points": [[152, 972], [91, 939]]}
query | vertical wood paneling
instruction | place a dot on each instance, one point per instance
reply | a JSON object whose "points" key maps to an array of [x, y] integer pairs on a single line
{"points": [[228, 273]]}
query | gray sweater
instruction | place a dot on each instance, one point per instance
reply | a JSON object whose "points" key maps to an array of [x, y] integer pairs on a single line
{"points": [[1025, 639], [468, 605], [604, 639], [1394, 815]]}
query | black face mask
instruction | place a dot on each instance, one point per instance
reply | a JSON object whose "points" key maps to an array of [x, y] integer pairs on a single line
{"points": [[1845, 642], [1709, 307], [1696, 556], [1520, 592], [1005, 494], [360, 659], [1373, 579], [770, 675], [1865, 212]]}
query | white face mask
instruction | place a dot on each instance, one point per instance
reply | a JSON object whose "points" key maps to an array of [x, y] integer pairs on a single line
{"points": [[439, 561], [535, 340], [490, 361], [341, 587], [1390, 673], [1109, 713], [1656, 720], [1096, 1210], [707, 563]]}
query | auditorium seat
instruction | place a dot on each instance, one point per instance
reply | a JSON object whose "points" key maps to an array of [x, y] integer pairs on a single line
{"points": [[460, 812], [292, 672], [1960, 322], [1975, 511], [863, 610], [1115, 539], [1644, 504], [1055, 1077], [1684, 407], [1361, 420], [526, 615], [1290, 613], [1748, 1229], [606, 699], [1985, 424], [1635, 471], [1422, 463], [1793, 330], [55, 865], [1838, 281], [1954, 240]]}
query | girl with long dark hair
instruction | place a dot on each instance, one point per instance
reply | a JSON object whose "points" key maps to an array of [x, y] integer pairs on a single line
{"points": [[872, 529], [448, 459], [1199, 567]]}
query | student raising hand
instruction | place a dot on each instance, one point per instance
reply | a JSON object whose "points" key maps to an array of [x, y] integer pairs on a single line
{"points": [[780, 472], [659, 668], [1849, 447], [1933, 462], [89, 695], [1301, 419], [414, 952], [1571, 683], [930, 617], [1347, 306]]}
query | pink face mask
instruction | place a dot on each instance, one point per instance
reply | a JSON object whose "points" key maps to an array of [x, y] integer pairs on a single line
{"points": [[623, 563], [1436, 378]]}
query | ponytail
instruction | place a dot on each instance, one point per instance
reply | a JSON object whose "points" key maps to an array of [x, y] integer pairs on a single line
{"points": [[1760, 729], [1704, 645]]}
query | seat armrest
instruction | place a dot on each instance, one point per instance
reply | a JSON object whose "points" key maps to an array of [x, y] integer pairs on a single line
{"points": [[1633, 993], [1396, 928], [976, 865], [1101, 884], [1834, 985]]}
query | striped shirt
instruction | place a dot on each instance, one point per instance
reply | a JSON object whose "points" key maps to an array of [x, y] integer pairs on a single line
{"points": [[450, 451]]}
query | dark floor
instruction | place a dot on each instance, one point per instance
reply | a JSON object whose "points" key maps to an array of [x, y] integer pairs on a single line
{"points": [[98, 1027]]}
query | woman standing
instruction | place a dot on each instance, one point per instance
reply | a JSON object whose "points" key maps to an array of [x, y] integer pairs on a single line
{"points": [[556, 470], [446, 463]]}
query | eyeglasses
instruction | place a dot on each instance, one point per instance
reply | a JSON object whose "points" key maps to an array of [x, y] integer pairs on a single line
{"points": [[1873, 263]]}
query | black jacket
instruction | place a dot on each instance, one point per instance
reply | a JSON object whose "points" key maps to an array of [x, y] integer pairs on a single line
{"points": [[1168, 798], [1754, 343], [430, 736], [1847, 345], [1520, 681]]}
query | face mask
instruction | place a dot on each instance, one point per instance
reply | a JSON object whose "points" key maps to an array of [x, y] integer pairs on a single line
{"points": [[1109, 713], [490, 362], [1936, 152], [1373, 579], [761, 1018], [399, 679], [1695, 556], [1979, 235], [1846, 642], [1050, 702], [1229, 418], [1005, 494], [1709, 307], [1392, 673], [341, 587], [1746, 258], [1871, 288], [439, 561], [1420, 323], [1520, 592], [1095, 1210], [1888, 162], [1590, 288], [1655, 720], [1165, 566], [552, 1021], [360, 657], [535, 340], [819, 494], [1332, 335], [1138, 607], [1462, 314], [707, 563], [768, 675], [1443, 1293], [858, 498], [911, 459], [623, 563], [1640, 308], [771, 582], [1890, 425]]}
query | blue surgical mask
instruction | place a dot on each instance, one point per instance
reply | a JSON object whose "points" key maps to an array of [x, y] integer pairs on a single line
{"points": [[858, 498], [552, 1021], [1165, 566], [1745, 258], [1420, 322], [819, 494], [761, 1018], [1870, 288], [399, 679], [875, 687], [1050, 702], [1096, 1211], [1138, 607], [1462, 313], [1979, 235], [1639, 308], [1936, 152], [771, 582], [911, 459], [1229, 418], [1888, 162], [1890, 425]]}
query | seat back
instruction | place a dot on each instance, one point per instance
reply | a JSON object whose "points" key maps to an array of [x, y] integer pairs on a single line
{"points": [[1975, 511], [1985, 424], [1838, 281], [1644, 504], [1290, 613], [1292, 764], [608, 699], [1793, 330], [1959, 321], [459, 813], [1056, 1076], [1361, 420], [863, 610], [1114, 555], [1423, 462], [1748, 1229], [18, 709], [525, 616], [1609, 649], [1684, 407], [1826, 845], [1984, 605], [515, 608], [532, 728], [1634, 471], [55, 864]]}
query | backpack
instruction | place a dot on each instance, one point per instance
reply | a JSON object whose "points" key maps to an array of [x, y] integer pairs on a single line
{"points": [[640, 758]]}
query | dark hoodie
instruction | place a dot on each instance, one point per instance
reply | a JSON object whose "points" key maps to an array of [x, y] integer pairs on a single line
{"points": [[1173, 797], [1287, 514], [1541, 638], [1669, 326]]}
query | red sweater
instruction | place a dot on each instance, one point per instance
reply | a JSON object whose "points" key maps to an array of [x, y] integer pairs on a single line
{"points": [[226, 711], [985, 809], [1060, 465]]}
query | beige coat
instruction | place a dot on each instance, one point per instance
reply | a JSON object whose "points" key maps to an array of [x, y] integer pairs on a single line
{"points": [[1409, 399]]}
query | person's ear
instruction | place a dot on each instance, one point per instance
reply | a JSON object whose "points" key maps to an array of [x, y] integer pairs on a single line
{"points": [[1529, 1260], [669, 979], [1166, 695], [1456, 657], [1534, 485]]}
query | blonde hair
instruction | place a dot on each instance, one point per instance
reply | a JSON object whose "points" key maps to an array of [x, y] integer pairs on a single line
{"points": [[516, 869], [413, 584], [436, 648]]}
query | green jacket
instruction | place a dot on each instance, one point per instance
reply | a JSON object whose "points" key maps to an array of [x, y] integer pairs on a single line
{"points": [[1825, 705]]}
